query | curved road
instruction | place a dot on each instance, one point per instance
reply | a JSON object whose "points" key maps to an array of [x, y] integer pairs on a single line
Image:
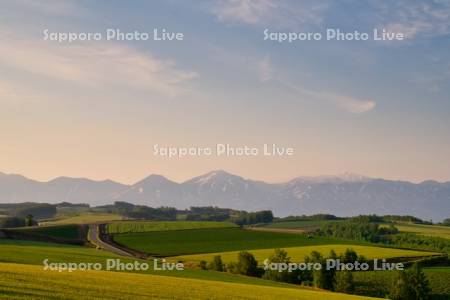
{"points": [[94, 238]]}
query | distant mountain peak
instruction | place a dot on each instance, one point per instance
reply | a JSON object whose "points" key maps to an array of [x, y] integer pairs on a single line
{"points": [[154, 179], [345, 177], [216, 175], [354, 177]]}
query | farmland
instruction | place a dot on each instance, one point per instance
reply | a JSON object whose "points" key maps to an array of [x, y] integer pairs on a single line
{"points": [[149, 226], [84, 218], [297, 254], [179, 242], [306, 225], [377, 283], [34, 253], [427, 230], [62, 231], [19, 281]]}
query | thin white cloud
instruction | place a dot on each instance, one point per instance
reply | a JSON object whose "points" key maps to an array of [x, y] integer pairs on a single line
{"points": [[96, 64], [48, 7], [274, 13], [344, 102], [246, 11], [431, 18]]}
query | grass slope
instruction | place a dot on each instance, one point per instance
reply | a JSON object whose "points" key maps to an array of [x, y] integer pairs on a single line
{"points": [[84, 218], [194, 241], [377, 283], [19, 281], [34, 253], [74, 232], [301, 225], [148, 226], [297, 254], [427, 230]]}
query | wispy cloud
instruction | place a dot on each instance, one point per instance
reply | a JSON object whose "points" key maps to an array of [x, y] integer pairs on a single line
{"points": [[344, 102], [431, 18], [347, 103], [48, 7], [96, 64], [276, 13]]}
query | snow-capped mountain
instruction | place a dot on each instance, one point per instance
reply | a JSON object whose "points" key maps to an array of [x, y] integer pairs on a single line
{"points": [[218, 188], [155, 191], [344, 195]]}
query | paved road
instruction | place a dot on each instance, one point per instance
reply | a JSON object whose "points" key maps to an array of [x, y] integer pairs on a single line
{"points": [[94, 238]]}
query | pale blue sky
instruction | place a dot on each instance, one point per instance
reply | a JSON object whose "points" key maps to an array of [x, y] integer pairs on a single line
{"points": [[96, 109]]}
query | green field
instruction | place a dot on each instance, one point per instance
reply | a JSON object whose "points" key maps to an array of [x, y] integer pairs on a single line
{"points": [[427, 230], [297, 254], [179, 242], [377, 283], [84, 218], [34, 253], [148, 226], [301, 225], [73, 232], [19, 281]]}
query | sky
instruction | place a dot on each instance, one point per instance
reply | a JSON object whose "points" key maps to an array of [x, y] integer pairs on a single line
{"points": [[97, 108]]}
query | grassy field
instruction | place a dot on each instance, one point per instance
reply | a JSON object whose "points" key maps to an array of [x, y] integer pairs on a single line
{"points": [[148, 226], [19, 281], [34, 253], [300, 225], [27, 252], [69, 231], [377, 283], [84, 218], [427, 230], [179, 242], [297, 254]]}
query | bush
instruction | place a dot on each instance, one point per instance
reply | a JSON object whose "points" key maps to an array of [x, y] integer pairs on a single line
{"points": [[280, 256], [247, 264], [344, 282], [217, 264], [203, 265], [410, 284]]}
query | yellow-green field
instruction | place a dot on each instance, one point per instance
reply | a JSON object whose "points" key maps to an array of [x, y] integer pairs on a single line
{"points": [[32, 282], [297, 254], [149, 226], [428, 230], [85, 218]]}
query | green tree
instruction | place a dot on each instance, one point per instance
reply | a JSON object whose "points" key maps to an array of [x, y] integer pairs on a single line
{"points": [[323, 278], [29, 220], [419, 283], [344, 282], [203, 265], [446, 222], [350, 256], [410, 284], [399, 288], [217, 264], [280, 257], [247, 264]]}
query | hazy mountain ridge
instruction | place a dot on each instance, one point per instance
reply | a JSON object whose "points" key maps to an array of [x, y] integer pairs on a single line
{"points": [[344, 195]]}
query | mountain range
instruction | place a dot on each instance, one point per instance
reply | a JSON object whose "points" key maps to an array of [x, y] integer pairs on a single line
{"points": [[344, 195]]}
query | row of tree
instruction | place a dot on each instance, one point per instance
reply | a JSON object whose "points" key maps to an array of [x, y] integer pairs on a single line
{"points": [[358, 228], [407, 284]]}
